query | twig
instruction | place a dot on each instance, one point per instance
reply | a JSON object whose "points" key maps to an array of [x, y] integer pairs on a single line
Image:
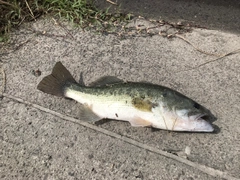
{"points": [[30, 10], [111, 2], [165, 123], [216, 59], [23, 43], [65, 29], [17, 46], [198, 49], [220, 57], [6, 3]]}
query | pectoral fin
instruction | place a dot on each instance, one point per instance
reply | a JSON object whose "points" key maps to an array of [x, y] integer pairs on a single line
{"points": [[140, 122]]}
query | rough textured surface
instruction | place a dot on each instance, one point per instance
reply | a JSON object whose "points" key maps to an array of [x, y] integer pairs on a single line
{"points": [[35, 144], [214, 14], [40, 146]]}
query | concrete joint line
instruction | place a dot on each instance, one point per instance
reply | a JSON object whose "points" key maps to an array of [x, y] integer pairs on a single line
{"points": [[2, 88], [203, 168]]}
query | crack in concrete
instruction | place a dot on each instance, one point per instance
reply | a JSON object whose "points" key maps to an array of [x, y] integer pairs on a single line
{"points": [[2, 88], [205, 169]]}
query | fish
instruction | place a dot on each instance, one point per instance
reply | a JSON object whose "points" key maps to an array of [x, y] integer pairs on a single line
{"points": [[142, 104]]}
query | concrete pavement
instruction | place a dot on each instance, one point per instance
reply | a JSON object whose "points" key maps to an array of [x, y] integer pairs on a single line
{"points": [[42, 136], [212, 14]]}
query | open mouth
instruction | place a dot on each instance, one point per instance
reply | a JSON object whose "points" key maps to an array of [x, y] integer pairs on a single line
{"points": [[199, 117], [198, 122], [203, 116], [202, 123]]}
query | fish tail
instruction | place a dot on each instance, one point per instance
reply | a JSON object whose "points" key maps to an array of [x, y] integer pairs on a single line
{"points": [[57, 81]]}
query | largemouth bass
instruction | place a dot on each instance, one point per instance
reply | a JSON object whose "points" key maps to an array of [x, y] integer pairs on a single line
{"points": [[141, 104]]}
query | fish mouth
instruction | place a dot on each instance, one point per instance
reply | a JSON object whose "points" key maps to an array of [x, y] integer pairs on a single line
{"points": [[194, 123], [200, 116], [201, 124]]}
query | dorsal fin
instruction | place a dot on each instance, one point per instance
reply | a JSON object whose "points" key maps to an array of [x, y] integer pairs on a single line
{"points": [[106, 80]]}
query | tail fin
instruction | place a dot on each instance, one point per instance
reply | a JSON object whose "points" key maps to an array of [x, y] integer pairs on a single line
{"points": [[56, 82]]}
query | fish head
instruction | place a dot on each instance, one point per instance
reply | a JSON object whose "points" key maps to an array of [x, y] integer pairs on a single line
{"points": [[186, 114]]}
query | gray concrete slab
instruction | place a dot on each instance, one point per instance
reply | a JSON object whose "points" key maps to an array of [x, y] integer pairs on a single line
{"points": [[36, 144]]}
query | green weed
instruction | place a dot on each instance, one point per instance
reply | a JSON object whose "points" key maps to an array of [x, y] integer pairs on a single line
{"points": [[81, 12]]}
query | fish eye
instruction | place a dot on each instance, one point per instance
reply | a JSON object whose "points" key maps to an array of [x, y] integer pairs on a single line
{"points": [[196, 105], [164, 94]]}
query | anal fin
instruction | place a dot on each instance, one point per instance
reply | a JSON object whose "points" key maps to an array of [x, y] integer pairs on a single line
{"points": [[140, 122], [86, 114]]}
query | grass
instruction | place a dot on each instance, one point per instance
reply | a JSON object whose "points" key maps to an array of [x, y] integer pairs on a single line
{"points": [[81, 12]]}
